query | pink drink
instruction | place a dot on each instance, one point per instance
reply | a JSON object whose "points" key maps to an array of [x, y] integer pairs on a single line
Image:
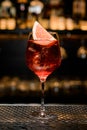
{"points": [[43, 60]]}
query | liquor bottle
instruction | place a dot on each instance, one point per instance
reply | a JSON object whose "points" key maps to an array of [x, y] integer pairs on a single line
{"points": [[21, 13], [78, 10], [34, 10], [57, 18], [7, 15], [45, 15]]}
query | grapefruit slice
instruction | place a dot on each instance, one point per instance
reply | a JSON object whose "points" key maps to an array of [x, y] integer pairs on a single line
{"points": [[41, 35]]}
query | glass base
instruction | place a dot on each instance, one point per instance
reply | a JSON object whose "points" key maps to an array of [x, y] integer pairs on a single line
{"points": [[42, 117]]}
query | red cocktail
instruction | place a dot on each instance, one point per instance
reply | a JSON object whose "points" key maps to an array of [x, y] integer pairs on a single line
{"points": [[43, 60]]}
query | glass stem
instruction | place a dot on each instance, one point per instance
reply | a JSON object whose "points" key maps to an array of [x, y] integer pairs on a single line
{"points": [[42, 114]]}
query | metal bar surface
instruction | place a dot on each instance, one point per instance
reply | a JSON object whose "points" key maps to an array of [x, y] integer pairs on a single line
{"points": [[67, 117]]}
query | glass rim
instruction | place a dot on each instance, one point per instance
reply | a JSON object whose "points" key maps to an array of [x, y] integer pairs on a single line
{"points": [[45, 39]]}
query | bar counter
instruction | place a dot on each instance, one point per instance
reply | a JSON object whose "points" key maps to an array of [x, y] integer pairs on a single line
{"points": [[67, 117], [23, 34]]}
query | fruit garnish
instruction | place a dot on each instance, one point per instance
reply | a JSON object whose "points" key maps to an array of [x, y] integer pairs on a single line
{"points": [[41, 35]]}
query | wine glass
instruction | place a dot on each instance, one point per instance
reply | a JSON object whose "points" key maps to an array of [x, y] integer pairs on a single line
{"points": [[43, 59]]}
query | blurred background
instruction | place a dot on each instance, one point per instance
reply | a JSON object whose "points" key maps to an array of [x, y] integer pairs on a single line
{"points": [[68, 84]]}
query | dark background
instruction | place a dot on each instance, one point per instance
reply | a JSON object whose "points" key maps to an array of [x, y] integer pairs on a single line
{"points": [[12, 64]]}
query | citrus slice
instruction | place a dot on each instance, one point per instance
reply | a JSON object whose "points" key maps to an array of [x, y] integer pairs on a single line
{"points": [[42, 35]]}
